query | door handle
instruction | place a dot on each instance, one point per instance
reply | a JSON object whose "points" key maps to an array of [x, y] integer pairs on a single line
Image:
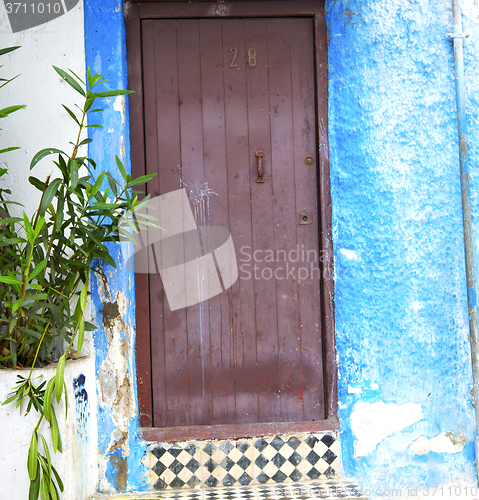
{"points": [[259, 158]]}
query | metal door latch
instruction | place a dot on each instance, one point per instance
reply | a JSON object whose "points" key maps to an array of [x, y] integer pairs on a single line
{"points": [[259, 158]]}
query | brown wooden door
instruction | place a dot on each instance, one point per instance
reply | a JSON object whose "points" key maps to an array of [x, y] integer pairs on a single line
{"points": [[215, 92]]}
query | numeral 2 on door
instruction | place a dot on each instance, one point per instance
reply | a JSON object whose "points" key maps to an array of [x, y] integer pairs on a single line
{"points": [[235, 53]]}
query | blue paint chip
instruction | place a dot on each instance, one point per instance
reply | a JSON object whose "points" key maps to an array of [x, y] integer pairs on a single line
{"points": [[111, 470], [79, 381]]}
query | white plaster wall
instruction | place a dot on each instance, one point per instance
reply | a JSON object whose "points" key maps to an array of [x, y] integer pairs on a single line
{"points": [[43, 123], [77, 465]]}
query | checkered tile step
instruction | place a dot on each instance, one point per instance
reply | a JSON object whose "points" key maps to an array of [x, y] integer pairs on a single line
{"points": [[257, 461], [310, 490]]}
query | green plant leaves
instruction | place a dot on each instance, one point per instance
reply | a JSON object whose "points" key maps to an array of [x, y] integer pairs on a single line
{"points": [[32, 457], [121, 168], [73, 167], [96, 187], [57, 477], [45, 263], [8, 49], [70, 80], [141, 180], [49, 194], [10, 279], [11, 109], [72, 114], [44, 493], [40, 185], [6, 150], [59, 377], [38, 269], [113, 93], [34, 487], [56, 440], [47, 454], [83, 297], [81, 334], [41, 154], [47, 402]]}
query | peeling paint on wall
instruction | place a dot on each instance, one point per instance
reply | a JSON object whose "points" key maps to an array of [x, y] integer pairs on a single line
{"points": [[81, 403], [122, 465], [119, 105], [372, 422], [401, 319], [113, 378], [446, 442]]}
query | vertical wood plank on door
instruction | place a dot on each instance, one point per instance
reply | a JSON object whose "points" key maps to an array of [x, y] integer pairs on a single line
{"points": [[158, 375], [220, 368], [241, 185], [306, 182], [263, 229], [192, 154], [239, 199], [285, 218], [173, 336]]}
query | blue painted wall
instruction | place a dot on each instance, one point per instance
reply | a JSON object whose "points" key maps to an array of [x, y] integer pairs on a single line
{"points": [[106, 54], [401, 310]]}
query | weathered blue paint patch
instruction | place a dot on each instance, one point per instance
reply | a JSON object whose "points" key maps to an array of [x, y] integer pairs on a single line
{"points": [[106, 54], [79, 387], [82, 414], [81, 402], [400, 294], [140, 480], [113, 471], [471, 295], [105, 429], [82, 407]]}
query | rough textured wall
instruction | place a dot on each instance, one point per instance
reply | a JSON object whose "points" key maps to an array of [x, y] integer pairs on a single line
{"points": [[121, 452], [44, 123], [401, 310], [77, 465], [471, 54]]}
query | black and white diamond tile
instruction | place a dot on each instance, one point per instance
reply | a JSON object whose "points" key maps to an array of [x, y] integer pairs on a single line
{"points": [[311, 490], [278, 459], [238, 463], [321, 456], [176, 467], [228, 463]]}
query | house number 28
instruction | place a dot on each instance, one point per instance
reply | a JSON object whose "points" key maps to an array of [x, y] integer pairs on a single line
{"points": [[251, 57]]}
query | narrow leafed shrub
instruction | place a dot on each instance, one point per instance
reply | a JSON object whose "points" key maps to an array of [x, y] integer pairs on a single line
{"points": [[45, 266]]}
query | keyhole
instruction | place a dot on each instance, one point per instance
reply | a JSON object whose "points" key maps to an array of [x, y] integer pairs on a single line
{"points": [[304, 219], [309, 160]]}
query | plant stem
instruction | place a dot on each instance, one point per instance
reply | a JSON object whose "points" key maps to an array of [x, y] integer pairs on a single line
{"points": [[38, 350]]}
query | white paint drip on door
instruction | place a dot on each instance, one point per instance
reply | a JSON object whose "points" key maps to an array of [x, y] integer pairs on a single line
{"points": [[199, 195]]}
